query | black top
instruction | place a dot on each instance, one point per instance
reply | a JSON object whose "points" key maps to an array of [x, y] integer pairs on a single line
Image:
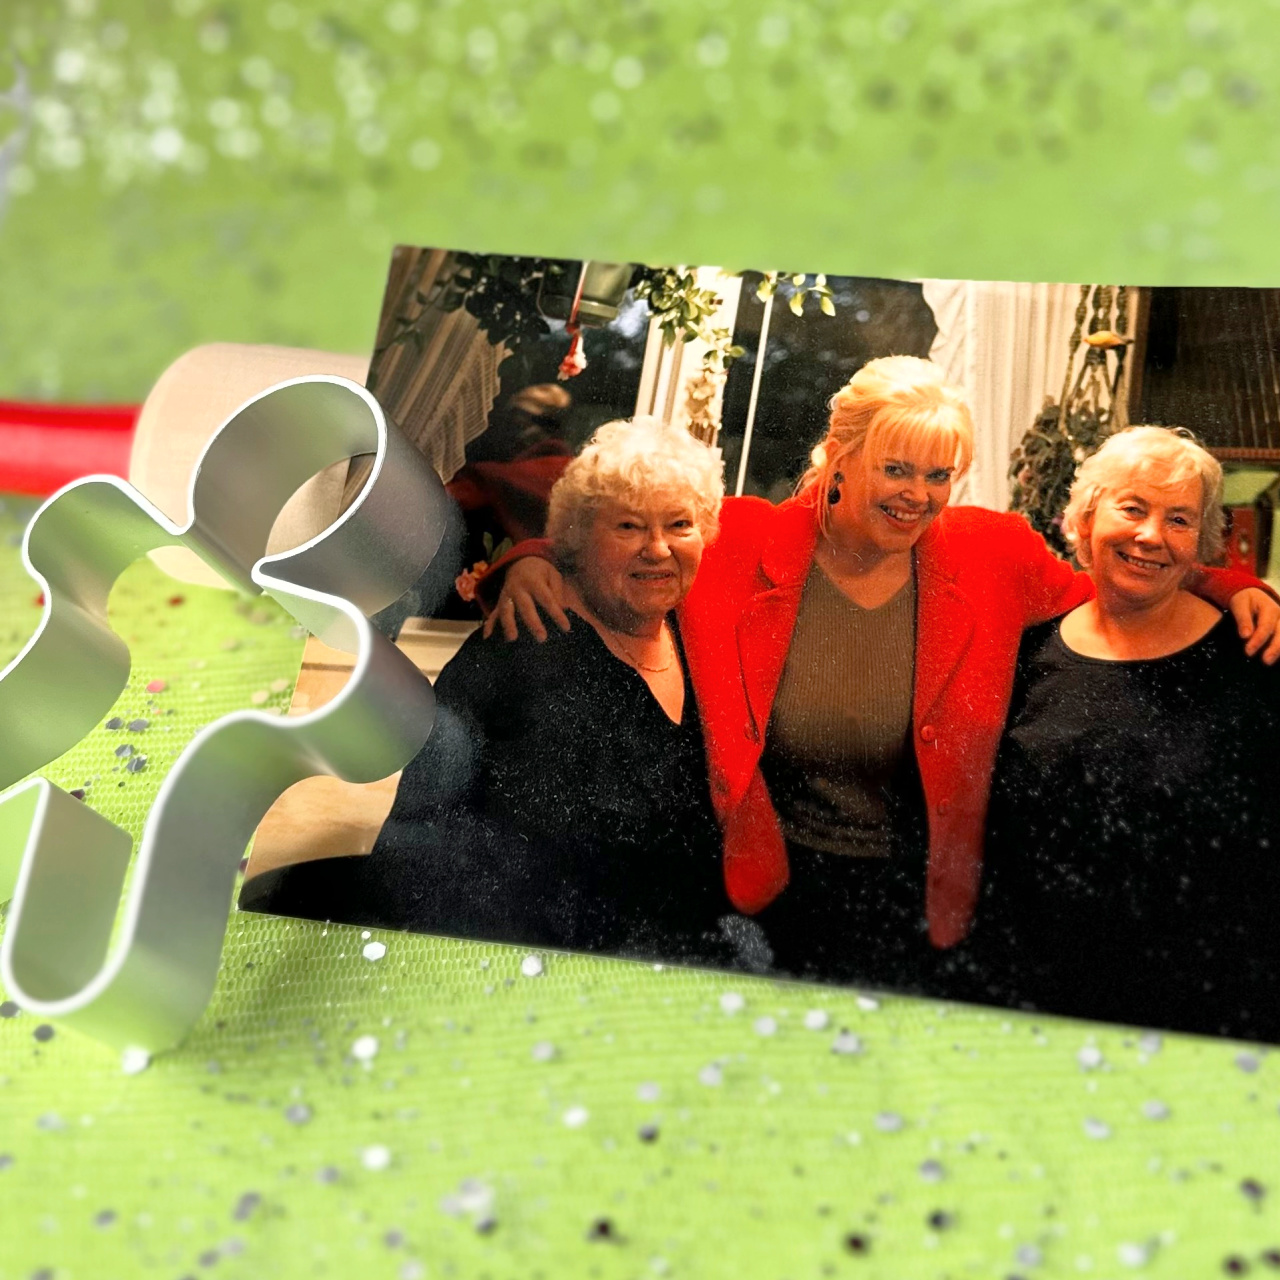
{"points": [[1131, 868], [555, 804]]}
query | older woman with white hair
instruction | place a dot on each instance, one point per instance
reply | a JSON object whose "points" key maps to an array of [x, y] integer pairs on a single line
{"points": [[1135, 820], [562, 797]]}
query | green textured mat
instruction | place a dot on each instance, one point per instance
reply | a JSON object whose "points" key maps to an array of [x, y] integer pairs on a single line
{"points": [[201, 170]]}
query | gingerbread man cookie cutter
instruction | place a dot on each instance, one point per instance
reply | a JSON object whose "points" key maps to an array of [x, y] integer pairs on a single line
{"points": [[145, 981]]}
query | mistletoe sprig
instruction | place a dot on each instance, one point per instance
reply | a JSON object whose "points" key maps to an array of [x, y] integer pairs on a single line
{"points": [[683, 309], [800, 291]]}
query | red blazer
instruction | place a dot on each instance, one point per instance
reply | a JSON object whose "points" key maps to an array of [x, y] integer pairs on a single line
{"points": [[982, 578]]}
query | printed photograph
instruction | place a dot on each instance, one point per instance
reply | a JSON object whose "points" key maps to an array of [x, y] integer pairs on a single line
{"points": [[910, 635]]}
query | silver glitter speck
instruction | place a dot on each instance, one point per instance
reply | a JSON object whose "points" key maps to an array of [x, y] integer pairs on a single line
{"points": [[365, 1048], [474, 1196], [133, 1061], [1133, 1254], [297, 1113], [246, 1205], [846, 1043]]}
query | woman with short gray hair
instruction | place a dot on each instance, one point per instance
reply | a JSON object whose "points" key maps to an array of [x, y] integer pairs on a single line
{"points": [[1135, 817], [562, 798], [1171, 456]]}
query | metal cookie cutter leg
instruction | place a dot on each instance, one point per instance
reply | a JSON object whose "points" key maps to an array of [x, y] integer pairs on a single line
{"points": [[70, 863]]}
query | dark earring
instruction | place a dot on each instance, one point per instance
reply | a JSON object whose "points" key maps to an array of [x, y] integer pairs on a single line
{"points": [[833, 494]]}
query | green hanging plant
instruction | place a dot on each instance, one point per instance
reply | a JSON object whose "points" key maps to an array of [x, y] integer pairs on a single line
{"points": [[683, 308], [1043, 466]]}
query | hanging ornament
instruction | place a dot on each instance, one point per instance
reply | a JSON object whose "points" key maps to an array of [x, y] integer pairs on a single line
{"points": [[576, 359]]}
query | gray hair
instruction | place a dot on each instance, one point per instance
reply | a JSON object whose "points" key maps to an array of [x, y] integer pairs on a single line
{"points": [[1161, 455], [632, 461]]}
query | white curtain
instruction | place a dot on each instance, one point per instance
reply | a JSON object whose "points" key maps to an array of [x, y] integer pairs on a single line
{"points": [[440, 394], [1005, 344]]}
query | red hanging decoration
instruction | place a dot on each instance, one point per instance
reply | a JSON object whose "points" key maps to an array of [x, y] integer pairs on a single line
{"points": [[576, 358]]}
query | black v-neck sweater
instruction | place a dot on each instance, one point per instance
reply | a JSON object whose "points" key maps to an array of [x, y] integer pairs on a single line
{"points": [[1133, 858], [554, 804]]}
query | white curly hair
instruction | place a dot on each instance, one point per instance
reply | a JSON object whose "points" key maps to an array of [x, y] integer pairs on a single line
{"points": [[1159, 455], [634, 461]]}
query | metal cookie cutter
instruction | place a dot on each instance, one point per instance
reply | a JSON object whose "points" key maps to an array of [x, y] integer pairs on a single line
{"points": [[64, 863]]}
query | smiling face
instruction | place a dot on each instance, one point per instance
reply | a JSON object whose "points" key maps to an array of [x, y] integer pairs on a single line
{"points": [[886, 503], [1143, 539], [639, 560]]}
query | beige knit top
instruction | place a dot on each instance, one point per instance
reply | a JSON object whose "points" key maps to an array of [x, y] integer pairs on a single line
{"points": [[841, 720]]}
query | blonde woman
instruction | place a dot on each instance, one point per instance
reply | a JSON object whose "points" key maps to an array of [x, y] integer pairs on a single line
{"points": [[853, 651], [1135, 822]]}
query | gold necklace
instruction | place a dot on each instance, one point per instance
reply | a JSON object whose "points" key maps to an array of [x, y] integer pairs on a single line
{"points": [[613, 638]]}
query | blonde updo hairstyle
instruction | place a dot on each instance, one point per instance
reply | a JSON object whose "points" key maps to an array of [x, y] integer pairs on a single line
{"points": [[633, 462], [893, 407], [1161, 456]]}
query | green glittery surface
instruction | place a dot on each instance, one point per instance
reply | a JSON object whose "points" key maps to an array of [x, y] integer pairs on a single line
{"points": [[186, 171]]}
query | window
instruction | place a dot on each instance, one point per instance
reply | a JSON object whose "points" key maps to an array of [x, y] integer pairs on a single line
{"points": [[807, 359]]}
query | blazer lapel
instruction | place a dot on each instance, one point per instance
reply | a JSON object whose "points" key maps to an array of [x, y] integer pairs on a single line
{"points": [[764, 635], [944, 618], [767, 620]]}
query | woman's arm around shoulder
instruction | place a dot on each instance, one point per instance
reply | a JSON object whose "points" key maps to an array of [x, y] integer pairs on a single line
{"points": [[1012, 553]]}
